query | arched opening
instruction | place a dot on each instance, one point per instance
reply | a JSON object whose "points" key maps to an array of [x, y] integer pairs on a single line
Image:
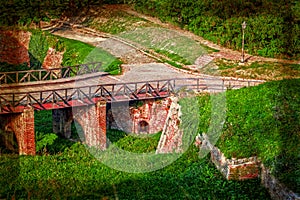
{"points": [[143, 127], [8, 142]]}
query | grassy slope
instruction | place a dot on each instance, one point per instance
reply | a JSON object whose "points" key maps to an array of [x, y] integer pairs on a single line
{"points": [[263, 121], [75, 52], [76, 174], [72, 172]]}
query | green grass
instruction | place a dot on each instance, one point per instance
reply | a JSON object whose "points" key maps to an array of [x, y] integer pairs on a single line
{"points": [[115, 21], [174, 57], [75, 174], [167, 42], [71, 172], [5, 67], [262, 121], [75, 52], [134, 143], [80, 53]]}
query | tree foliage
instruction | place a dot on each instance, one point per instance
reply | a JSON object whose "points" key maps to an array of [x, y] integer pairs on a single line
{"points": [[273, 26]]}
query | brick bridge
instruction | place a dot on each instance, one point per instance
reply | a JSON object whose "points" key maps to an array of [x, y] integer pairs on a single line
{"points": [[82, 93]]}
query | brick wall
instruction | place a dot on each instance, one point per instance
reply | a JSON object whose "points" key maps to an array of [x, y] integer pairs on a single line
{"points": [[93, 122], [171, 138], [149, 117], [14, 47], [232, 169], [53, 60], [91, 118], [22, 124], [246, 168]]}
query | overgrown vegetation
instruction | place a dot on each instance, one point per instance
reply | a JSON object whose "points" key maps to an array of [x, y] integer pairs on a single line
{"points": [[25, 12], [39, 45], [75, 173], [262, 121], [72, 172], [134, 143], [74, 53], [272, 27]]}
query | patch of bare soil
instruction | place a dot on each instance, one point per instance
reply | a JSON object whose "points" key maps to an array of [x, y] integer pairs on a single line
{"points": [[125, 18]]}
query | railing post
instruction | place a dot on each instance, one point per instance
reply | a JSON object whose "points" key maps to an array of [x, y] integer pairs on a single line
{"points": [[13, 100], [90, 91], [41, 97], [223, 83], [17, 77]]}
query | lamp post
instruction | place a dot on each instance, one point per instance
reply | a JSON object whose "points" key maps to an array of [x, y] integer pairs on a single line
{"points": [[243, 41]]}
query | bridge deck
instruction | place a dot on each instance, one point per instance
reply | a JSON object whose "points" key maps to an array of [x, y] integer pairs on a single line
{"points": [[89, 88]]}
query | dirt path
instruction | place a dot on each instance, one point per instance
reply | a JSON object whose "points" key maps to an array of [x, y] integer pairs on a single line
{"points": [[223, 52], [135, 57]]}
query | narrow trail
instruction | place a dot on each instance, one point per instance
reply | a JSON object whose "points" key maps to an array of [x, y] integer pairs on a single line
{"points": [[134, 55], [223, 52]]}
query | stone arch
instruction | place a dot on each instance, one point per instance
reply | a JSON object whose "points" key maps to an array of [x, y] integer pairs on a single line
{"points": [[143, 127]]}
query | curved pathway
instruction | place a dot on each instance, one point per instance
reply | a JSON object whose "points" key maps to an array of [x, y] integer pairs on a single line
{"points": [[223, 52]]}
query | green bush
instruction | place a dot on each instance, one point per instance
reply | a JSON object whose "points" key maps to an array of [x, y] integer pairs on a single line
{"points": [[272, 27], [38, 47], [44, 140], [134, 143]]}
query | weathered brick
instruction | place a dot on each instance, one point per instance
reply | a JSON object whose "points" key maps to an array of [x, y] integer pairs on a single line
{"points": [[14, 47]]}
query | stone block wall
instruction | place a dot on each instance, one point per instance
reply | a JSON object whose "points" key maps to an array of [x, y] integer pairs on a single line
{"points": [[14, 47], [232, 169]]}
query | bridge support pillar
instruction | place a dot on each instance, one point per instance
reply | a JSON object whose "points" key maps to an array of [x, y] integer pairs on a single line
{"points": [[62, 120], [22, 124], [92, 119]]}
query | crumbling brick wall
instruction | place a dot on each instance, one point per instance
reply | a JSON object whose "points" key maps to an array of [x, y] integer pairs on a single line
{"points": [[14, 47]]}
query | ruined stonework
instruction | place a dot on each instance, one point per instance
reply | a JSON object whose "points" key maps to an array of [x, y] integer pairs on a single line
{"points": [[246, 168], [53, 60], [147, 118], [22, 124], [91, 118], [232, 169], [276, 189], [171, 138], [14, 47]]}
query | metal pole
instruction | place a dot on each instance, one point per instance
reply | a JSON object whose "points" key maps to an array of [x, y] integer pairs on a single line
{"points": [[243, 42]]}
